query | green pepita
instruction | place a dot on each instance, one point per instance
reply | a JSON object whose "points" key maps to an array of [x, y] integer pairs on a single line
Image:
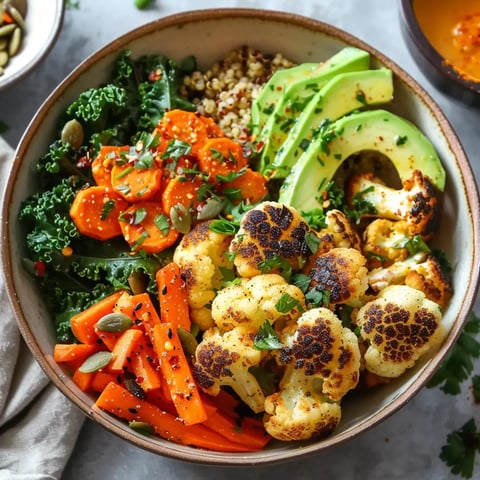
{"points": [[72, 133], [189, 342], [114, 323], [3, 58], [16, 15], [142, 427], [7, 29], [181, 218], [211, 209], [96, 362], [15, 42]]}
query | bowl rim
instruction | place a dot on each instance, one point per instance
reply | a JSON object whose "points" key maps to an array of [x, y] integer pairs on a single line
{"points": [[430, 54], [46, 48], [204, 456]]}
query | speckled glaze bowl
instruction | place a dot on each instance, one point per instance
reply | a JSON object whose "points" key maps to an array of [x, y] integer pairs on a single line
{"points": [[43, 21], [209, 34], [435, 67]]}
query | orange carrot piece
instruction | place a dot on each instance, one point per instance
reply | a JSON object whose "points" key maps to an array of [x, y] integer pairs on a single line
{"points": [[136, 184], [125, 305], [83, 380], [95, 211], [145, 227], [178, 374], [172, 295], [74, 352], [100, 380], [120, 402], [220, 156], [252, 186], [244, 433], [123, 349], [145, 366], [213, 129], [83, 323], [145, 312], [109, 339], [7, 18], [184, 126], [183, 191], [103, 163]]}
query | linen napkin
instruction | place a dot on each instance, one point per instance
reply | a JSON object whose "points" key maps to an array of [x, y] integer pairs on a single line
{"points": [[38, 425]]}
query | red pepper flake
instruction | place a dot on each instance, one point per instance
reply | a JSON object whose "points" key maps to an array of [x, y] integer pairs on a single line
{"points": [[155, 75], [39, 268]]}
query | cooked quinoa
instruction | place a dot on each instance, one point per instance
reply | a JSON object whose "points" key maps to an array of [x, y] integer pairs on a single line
{"points": [[226, 91]]}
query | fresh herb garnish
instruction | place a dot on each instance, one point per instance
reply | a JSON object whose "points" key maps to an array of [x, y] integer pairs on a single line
{"points": [[267, 338]]}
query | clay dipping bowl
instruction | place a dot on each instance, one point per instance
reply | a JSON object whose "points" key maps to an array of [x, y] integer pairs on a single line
{"points": [[429, 40], [43, 21], [209, 34]]}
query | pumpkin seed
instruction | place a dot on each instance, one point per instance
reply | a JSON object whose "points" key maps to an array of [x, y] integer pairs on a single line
{"points": [[212, 207], [7, 29], [181, 218], [138, 282], [16, 15], [3, 43], [142, 427], [96, 362], [72, 133], [188, 341], [15, 42], [3, 58], [114, 323]]}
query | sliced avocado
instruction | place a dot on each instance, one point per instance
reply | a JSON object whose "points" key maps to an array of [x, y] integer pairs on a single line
{"points": [[293, 97], [374, 130], [343, 94]]}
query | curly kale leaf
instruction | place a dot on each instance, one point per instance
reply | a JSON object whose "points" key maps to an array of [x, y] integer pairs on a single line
{"points": [[47, 215]]}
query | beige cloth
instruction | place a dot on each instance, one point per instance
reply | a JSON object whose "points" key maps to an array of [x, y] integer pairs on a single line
{"points": [[38, 425]]}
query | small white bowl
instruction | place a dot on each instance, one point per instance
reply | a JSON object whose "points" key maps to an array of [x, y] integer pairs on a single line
{"points": [[209, 34], [43, 21]]}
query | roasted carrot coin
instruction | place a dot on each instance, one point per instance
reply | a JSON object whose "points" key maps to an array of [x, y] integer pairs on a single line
{"points": [[251, 186], [213, 129], [146, 227], [136, 184], [95, 212], [183, 191], [221, 156], [103, 163], [184, 126]]}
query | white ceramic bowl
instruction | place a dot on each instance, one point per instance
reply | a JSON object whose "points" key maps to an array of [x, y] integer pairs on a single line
{"points": [[209, 35], [43, 21]]}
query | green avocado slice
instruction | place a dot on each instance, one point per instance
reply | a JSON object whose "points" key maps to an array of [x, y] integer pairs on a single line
{"points": [[343, 94], [285, 96], [374, 130]]}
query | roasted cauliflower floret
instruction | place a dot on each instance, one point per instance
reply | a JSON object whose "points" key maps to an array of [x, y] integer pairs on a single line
{"points": [[422, 271], [400, 326], [267, 232], [223, 359], [341, 272], [256, 299], [201, 254], [339, 232], [417, 202], [322, 363], [384, 241]]}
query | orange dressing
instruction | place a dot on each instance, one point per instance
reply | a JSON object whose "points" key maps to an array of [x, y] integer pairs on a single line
{"points": [[453, 29]]}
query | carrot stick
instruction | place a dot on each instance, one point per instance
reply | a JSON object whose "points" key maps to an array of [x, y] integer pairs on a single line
{"points": [[101, 379], [124, 348], [83, 323], [220, 156], [145, 227], [177, 374], [120, 402], [74, 352], [144, 365], [95, 211], [109, 339], [172, 294], [83, 380], [145, 312], [245, 434]]}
